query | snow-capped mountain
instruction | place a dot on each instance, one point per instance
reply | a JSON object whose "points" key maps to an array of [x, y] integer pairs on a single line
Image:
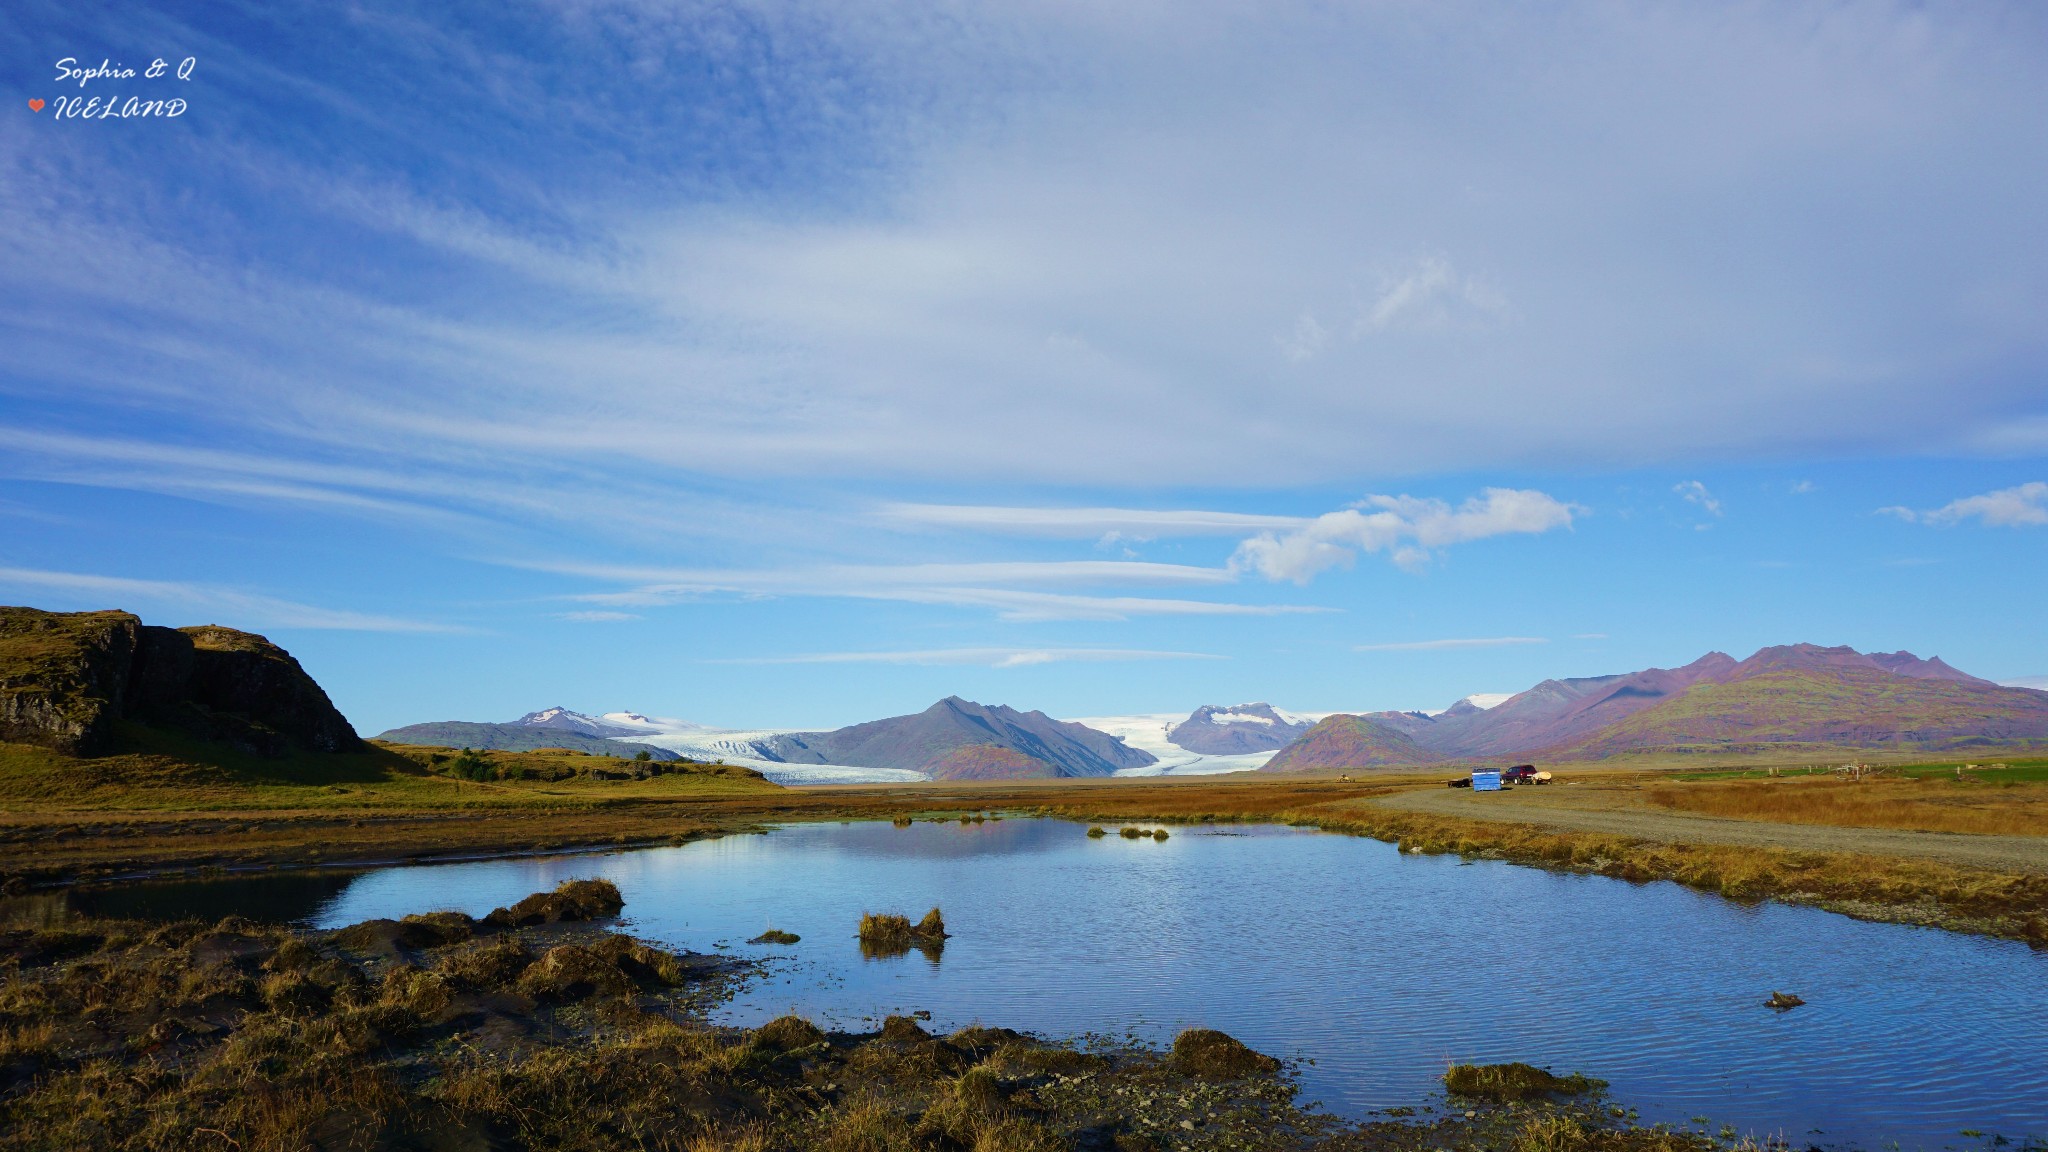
{"points": [[1238, 729], [563, 720]]}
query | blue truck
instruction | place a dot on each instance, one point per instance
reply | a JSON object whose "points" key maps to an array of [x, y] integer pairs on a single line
{"points": [[1495, 779]]}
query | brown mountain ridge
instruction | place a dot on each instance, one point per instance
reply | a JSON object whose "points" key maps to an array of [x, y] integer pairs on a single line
{"points": [[1788, 698]]}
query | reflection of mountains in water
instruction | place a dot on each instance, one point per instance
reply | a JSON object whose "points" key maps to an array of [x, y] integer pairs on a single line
{"points": [[937, 839]]}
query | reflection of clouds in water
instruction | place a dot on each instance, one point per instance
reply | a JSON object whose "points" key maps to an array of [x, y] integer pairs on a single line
{"points": [[1375, 964]]}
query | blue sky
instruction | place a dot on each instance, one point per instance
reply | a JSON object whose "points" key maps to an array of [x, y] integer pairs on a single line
{"points": [[796, 365]]}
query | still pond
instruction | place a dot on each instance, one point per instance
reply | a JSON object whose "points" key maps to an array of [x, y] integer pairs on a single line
{"points": [[1372, 967]]}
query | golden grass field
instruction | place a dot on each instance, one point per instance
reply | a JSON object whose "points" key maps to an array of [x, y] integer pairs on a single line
{"points": [[1926, 803]]}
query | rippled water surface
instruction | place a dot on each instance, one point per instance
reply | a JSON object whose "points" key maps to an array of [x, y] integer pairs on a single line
{"points": [[1379, 967]]}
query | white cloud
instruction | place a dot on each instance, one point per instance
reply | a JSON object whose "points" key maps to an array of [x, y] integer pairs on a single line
{"points": [[1307, 339], [1695, 492], [1444, 645], [237, 608], [2023, 506], [1430, 295], [986, 657], [2038, 683], [1409, 528], [598, 617], [1164, 191]]}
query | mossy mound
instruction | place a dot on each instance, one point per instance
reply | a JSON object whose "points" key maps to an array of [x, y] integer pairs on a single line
{"points": [[572, 900], [903, 1029], [1213, 1055], [1509, 1083], [788, 1034], [775, 936]]}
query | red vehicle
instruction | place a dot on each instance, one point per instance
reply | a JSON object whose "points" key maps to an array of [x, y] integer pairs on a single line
{"points": [[1521, 774]]}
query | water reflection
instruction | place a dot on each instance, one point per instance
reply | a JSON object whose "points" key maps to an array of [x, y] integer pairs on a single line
{"points": [[1378, 966]]}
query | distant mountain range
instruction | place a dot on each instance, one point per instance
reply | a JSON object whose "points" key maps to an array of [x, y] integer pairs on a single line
{"points": [[1233, 730], [957, 739], [1790, 698], [548, 728], [1795, 698]]}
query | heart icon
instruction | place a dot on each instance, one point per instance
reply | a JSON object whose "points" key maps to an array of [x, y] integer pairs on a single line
{"points": [[35, 105]]}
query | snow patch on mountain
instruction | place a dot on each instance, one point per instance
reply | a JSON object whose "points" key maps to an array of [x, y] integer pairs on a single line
{"points": [[1148, 731]]}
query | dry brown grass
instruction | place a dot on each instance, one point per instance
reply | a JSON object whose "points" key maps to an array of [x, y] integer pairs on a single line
{"points": [[1922, 805], [1873, 887]]}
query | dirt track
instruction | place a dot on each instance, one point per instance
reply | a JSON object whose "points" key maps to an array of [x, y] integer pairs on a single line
{"points": [[1593, 808]]}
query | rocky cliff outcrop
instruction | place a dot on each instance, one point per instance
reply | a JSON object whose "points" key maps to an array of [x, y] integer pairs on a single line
{"points": [[66, 679]]}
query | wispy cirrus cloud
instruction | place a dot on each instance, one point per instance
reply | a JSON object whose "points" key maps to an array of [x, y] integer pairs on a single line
{"points": [[2022, 506], [1081, 523], [828, 576], [993, 585], [1451, 645], [1409, 528], [893, 289], [984, 657], [236, 606]]}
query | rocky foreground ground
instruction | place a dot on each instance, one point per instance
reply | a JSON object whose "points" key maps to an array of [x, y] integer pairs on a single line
{"points": [[537, 1028]]}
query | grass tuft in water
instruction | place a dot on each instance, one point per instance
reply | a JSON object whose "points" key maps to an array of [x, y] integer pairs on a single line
{"points": [[1514, 1082], [1214, 1055]]}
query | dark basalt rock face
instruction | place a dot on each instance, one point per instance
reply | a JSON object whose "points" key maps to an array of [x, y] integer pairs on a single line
{"points": [[66, 678]]}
